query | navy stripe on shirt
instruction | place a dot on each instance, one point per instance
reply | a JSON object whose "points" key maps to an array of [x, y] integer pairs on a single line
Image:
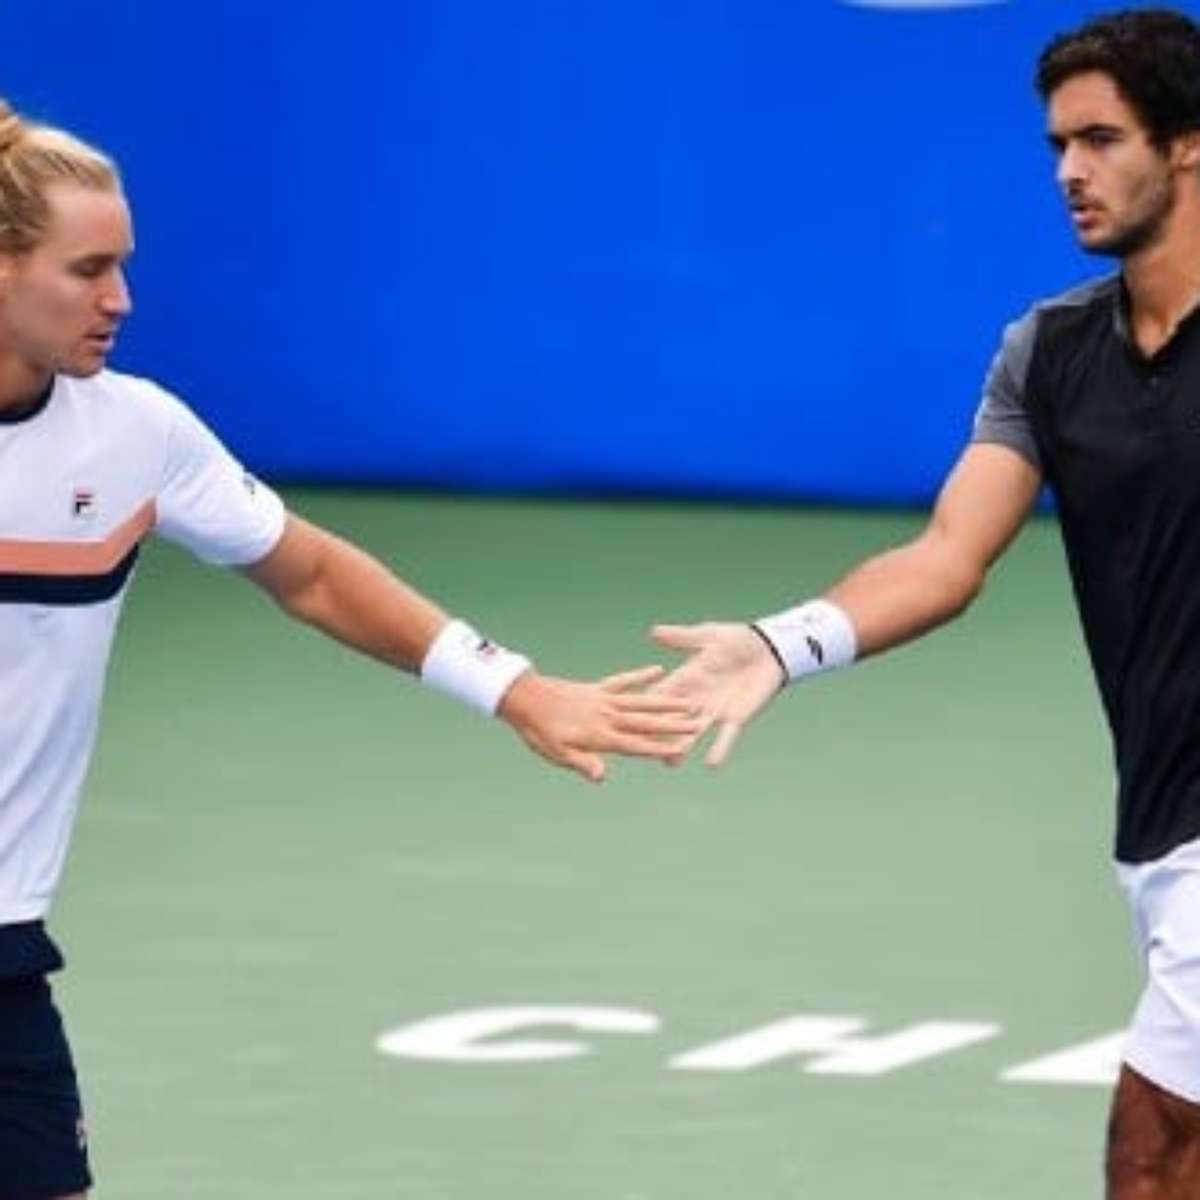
{"points": [[67, 589]]}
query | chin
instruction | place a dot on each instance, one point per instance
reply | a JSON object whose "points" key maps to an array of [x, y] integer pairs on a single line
{"points": [[83, 369], [1109, 247], [1126, 240]]}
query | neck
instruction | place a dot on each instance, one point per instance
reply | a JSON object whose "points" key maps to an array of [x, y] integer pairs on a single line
{"points": [[20, 385], [1163, 279]]}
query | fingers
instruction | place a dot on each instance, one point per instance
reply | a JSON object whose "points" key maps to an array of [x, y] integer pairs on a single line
{"points": [[624, 681], [678, 637], [655, 702], [683, 683], [660, 725], [686, 746], [625, 688], [640, 746], [727, 734], [590, 766]]}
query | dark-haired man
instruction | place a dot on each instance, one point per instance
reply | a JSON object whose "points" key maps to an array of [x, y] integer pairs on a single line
{"points": [[1096, 393]]}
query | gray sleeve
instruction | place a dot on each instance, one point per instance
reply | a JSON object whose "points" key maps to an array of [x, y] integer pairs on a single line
{"points": [[1001, 417]]}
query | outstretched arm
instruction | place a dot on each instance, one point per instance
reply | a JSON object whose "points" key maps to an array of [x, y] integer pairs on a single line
{"points": [[734, 671], [326, 582]]}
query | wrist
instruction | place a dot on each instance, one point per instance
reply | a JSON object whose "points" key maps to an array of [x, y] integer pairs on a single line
{"points": [[773, 651], [521, 699], [811, 638], [464, 664]]}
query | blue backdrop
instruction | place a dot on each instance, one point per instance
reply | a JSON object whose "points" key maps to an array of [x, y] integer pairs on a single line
{"points": [[743, 247]]}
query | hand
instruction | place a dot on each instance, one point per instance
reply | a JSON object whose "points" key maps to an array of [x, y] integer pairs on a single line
{"points": [[731, 673], [571, 723]]}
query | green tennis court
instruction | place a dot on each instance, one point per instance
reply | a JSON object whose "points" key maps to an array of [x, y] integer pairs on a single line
{"points": [[286, 852]]}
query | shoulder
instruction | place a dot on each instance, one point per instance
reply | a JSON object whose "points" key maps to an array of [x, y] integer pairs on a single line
{"points": [[131, 391], [1067, 313], [1089, 303], [1102, 290], [1084, 297], [128, 402], [113, 393]]}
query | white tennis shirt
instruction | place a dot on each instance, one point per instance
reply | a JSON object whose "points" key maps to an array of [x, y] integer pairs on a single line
{"points": [[106, 461]]}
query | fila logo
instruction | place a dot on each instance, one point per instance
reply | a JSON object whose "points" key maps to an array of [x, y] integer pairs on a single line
{"points": [[83, 503]]}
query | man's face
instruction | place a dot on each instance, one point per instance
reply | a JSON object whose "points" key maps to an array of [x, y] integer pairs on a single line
{"points": [[62, 302], [1118, 186]]}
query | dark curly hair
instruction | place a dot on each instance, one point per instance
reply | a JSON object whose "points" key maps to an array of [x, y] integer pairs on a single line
{"points": [[1153, 56]]}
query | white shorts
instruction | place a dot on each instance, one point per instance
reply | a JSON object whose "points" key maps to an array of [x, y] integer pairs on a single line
{"points": [[1164, 1039]]}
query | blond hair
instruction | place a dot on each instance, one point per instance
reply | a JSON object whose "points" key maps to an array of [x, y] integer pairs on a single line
{"points": [[32, 157]]}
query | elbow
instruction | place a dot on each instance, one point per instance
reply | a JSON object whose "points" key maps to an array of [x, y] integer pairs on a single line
{"points": [[303, 600], [951, 575], [310, 606], [959, 591]]}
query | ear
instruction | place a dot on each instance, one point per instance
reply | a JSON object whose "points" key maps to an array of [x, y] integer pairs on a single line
{"points": [[1185, 150]]}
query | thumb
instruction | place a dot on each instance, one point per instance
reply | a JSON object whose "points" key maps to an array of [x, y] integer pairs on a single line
{"points": [[678, 637], [628, 680], [590, 766]]}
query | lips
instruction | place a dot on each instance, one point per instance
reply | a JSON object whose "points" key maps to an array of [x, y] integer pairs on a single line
{"points": [[1084, 215]]}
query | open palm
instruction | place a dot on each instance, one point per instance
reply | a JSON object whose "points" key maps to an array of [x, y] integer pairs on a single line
{"points": [[730, 673]]}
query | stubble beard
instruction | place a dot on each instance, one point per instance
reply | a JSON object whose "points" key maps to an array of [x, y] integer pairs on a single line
{"points": [[1140, 231]]}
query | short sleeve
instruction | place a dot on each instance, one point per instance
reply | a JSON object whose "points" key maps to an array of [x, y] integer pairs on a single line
{"points": [[208, 503], [1002, 417]]}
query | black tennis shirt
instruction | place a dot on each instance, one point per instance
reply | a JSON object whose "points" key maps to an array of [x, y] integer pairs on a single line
{"points": [[1117, 436]]}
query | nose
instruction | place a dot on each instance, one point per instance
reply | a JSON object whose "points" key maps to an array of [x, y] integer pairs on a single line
{"points": [[1070, 170], [115, 300]]}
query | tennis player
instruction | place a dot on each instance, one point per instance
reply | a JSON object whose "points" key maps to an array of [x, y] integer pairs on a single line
{"points": [[91, 462], [1097, 394]]}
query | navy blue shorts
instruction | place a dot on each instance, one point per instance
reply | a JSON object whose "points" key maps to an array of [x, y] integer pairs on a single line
{"points": [[43, 1150]]}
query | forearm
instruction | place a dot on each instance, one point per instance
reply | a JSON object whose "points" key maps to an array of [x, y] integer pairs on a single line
{"points": [[735, 670], [900, 594], [335, 587], [350, 596], [906, 592]]}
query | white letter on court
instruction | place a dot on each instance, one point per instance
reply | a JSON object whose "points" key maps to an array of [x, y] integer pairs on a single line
{"points": [[832, 1038], [1096, 1062], [459, 1036]]}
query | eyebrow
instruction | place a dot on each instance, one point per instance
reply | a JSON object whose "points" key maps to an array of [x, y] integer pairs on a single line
{"points": [[1059, 140], [102, 258]]}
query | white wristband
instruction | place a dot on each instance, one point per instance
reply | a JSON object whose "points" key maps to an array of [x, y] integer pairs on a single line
{"points": [[462, 663], [815, 636]]}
